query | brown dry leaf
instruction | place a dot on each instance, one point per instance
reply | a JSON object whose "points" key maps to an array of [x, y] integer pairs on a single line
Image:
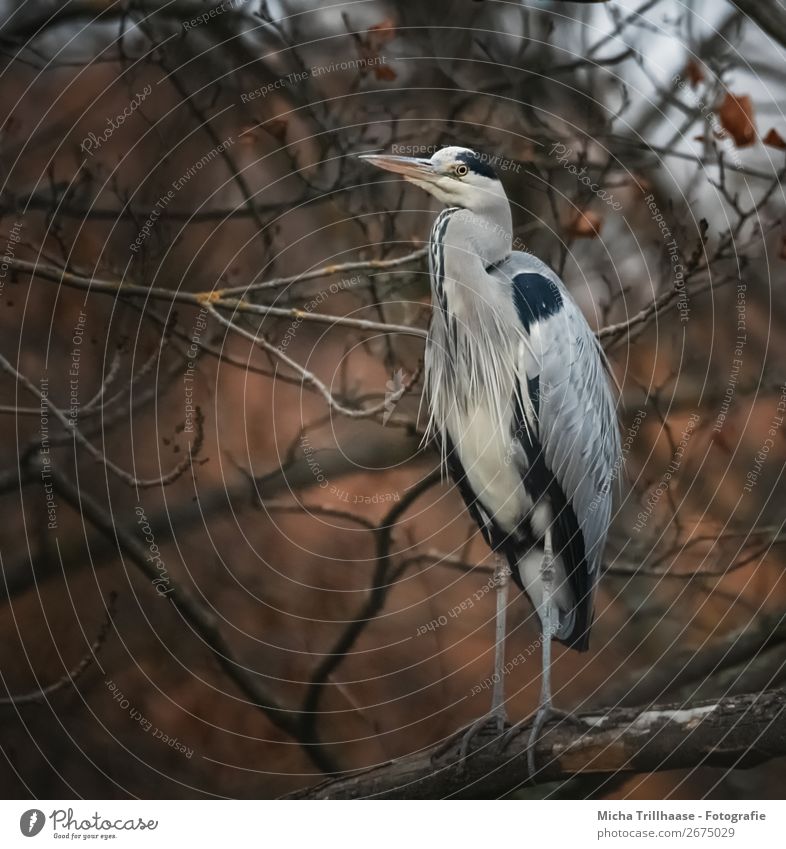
{"points": [[370, 46], [774, 139], [384, 72], [694, 73], [736, 117], [277, 128], [383, 32], [585, 225]]}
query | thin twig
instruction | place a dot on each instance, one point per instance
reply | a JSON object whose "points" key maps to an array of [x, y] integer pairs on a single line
{"points": [[71, 677]]}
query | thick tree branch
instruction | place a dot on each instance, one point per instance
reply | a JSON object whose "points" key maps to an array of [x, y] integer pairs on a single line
{"points": [[768, 14], [34, 19], [735, 732]]}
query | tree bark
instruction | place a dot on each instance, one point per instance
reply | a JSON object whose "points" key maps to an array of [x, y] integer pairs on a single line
{"points": [[735, 732]]}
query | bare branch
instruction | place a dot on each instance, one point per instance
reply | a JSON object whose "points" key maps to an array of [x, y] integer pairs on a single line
{"points": [[199, 618], [200, 299], [768, 14], [380, 585], [74, 674], [735, 732], [81, 439]]}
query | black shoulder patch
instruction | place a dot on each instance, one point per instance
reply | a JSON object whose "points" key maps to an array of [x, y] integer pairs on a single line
{"points": [[536, 298], [477, 165]]}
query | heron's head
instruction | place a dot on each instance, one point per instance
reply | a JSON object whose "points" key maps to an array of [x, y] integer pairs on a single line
{"points": [[457, 176]]}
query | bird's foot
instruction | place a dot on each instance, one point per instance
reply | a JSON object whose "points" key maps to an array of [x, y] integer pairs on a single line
{"points": [[492, 726], [489, 729], [546, 713]]}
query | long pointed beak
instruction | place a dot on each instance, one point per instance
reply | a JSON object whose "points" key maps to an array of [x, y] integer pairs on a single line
{"points": [[409, 167]]}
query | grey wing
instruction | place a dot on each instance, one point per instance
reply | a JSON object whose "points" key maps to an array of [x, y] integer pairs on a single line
{"points": [[578, 426], [573, 415]]}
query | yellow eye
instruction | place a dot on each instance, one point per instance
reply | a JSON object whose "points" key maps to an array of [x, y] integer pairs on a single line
{"points": [[461, 170]]}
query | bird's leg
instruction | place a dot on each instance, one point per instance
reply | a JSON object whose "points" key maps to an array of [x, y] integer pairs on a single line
{"points": [[547, 623], [497, 718], [498, 713]]}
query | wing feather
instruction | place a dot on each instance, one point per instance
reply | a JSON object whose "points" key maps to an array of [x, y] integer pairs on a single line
{"points": [[575, 429]]}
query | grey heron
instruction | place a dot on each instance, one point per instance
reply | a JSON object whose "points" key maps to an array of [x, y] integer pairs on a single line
{"points": [[520, 403]]}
